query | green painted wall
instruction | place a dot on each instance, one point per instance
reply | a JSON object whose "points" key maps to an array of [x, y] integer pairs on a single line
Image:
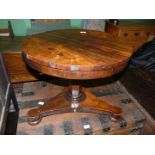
{"points": [[3, 23], [21, 27], [76, 23]]}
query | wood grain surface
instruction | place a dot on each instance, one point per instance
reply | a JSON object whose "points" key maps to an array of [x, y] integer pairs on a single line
{"points": [[17, 69], [76, 54]]}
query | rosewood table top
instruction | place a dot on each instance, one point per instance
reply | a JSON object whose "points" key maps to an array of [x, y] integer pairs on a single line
{"points": [[76, 54]]}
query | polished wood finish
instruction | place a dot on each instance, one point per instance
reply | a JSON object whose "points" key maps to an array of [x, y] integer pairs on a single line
{"points": [[75, 54], [59, 104], [17, 69]]}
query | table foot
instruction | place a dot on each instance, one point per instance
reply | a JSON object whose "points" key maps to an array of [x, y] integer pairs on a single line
{"points": [[73, 101]]}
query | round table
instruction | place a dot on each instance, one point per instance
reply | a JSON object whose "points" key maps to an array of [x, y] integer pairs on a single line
{"points": [[75, 54]]}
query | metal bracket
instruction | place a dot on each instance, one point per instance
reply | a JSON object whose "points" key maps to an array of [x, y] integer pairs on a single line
{"points": [[74, 67], [52, 65]]}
